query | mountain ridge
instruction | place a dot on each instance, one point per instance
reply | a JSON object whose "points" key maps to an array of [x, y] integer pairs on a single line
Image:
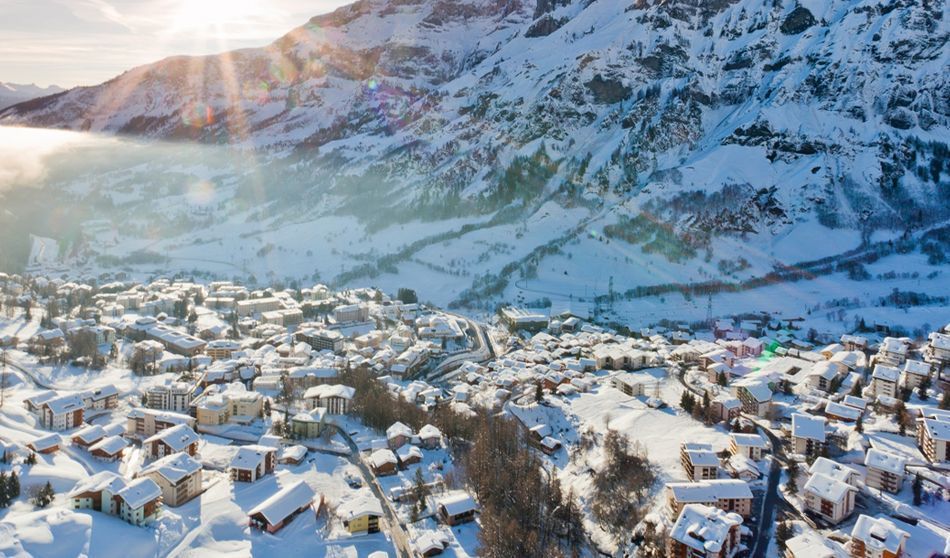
{"points": [[716, 119]]}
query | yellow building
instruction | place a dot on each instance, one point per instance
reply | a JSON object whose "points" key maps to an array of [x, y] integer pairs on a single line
{"points": [[361, 513]]}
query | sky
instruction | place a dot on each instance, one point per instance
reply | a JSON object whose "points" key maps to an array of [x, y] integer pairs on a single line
{"points": [[85, 42]]}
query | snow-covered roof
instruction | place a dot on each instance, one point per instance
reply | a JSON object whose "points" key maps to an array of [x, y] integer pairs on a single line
{"points": [[750, 440], [111, 445], [173, 467], [382, 457], [46, 442], [916, 367], [103, 480], [856, 402], [879, 534], [550, 443], [327, 390], [706, 458], [886, 373], [884, 461], [813, 545], [316, 415], [834, 470], [458, 503], [398, 429], [843, 411], [177, 437], [709, 491], [827, 488], [140, 492], [91, 434], [409, 451], [807, 426], [937, 429], [65, 404], [249, 457], [362, 503], [429, 432], [704, 528], [286, 501]]}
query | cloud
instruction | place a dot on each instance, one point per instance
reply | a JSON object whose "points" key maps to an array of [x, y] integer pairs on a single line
{"points": [[25, 153]]}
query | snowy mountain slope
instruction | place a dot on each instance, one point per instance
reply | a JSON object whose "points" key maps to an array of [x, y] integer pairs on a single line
{"points": [[14, 93], [684, 127]]}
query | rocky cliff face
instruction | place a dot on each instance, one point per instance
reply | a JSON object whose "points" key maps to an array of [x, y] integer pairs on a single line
{"points": [[837, 110]]}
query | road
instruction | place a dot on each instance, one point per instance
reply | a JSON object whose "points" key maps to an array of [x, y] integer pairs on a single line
{"points": [[396, 529], [772, 498], [482, 351]]}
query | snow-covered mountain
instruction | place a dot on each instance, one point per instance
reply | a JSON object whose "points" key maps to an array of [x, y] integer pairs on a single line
{"points": [[719, 119], [13, 93]]}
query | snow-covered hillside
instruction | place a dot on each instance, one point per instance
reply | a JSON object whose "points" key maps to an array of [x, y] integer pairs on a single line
{"points": [[472, 137], [13, 93]]}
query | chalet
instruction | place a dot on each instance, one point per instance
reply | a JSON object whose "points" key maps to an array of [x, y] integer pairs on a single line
{"points": [[97, 492], [48, 342], [549, 445], [139, 502], [742, 467], [933, 438], [109, 448], [704, 532], [828, 498], [877, 537], [398, 434], [613, 356], [292, 455], [914, 373], [892, 352], [699, 461], [178, 475], [361, 513], [88, 436], [885, 470], [408, 455], [749, 445], [62, 413], [430, 437], [808, 435], [178, 438], [33, 403], [850, 361], [49, 443], [840, 412], [175, 341], [335, 399], [252, 462], [280, 508], [429, 544], [383, 462], [146, 422], [456, 508], [308, 425], [730, 495], [884, 380]]}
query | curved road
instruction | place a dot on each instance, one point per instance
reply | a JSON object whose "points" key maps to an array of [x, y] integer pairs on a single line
{"points": [[772, 498]]}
